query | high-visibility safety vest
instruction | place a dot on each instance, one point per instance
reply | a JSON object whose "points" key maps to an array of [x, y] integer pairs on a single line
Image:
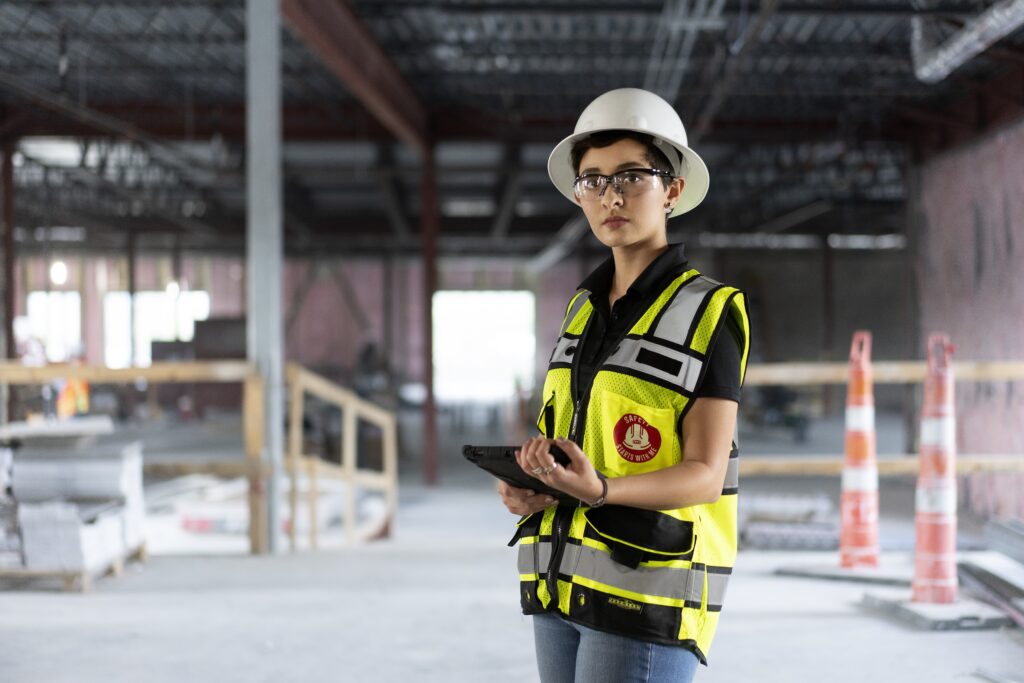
{"points": [[657, 576]]}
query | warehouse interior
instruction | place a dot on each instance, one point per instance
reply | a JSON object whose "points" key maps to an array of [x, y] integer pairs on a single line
{"points": [[268, 266]]}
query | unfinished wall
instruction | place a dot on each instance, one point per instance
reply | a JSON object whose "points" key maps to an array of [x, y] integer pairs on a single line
{"points": [[969, 235]]}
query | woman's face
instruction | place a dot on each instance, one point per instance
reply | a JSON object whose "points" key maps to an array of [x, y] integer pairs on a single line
{"points": [[619, 221]]}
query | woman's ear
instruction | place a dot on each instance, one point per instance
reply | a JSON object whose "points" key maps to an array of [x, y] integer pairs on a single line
{"points": [[675, 190]]}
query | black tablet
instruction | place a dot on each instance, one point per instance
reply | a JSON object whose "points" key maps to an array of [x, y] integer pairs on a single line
{"points": [[500, 461]]}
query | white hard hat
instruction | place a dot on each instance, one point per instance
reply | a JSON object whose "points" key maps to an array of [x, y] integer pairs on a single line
{"points": [[642, 112]]}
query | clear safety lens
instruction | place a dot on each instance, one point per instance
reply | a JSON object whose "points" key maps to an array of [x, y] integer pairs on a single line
{"points": [[629, 183]]}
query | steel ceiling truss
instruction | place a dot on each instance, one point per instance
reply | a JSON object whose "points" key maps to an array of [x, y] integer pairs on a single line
{"points": [[764, 88]]}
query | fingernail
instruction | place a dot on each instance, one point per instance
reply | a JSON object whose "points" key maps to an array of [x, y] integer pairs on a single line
{"points": [[549, 500], [560, 439]]}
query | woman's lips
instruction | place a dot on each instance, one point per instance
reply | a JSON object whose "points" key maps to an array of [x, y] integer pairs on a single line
{"points": [[615, 221]]}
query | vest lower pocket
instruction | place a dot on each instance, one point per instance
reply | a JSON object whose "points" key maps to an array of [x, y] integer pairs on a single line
{"points": [[632, 572], [633, 535]]}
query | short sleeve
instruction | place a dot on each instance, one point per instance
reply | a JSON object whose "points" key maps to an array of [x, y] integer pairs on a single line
{"points": [[722, 379]]}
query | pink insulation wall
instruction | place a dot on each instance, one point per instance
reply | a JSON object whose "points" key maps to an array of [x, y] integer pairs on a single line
{"points": [[970, 235]]}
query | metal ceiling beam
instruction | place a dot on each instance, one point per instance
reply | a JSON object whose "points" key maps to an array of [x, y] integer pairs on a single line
{"points": [[387, 182], [510, 188], [98, 121], [89, 178], [732, 71], [826, 7], [933, 62], [560, 247], [333, 32]]}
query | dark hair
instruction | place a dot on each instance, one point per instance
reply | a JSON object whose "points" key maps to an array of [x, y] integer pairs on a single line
{"points": [[654, 156]]}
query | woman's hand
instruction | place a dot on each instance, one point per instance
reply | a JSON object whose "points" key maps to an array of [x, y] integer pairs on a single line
{"points": [[523, 501], [578, 478]]}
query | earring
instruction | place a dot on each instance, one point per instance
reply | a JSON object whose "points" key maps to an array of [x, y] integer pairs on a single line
{"points": [[668, 208]]}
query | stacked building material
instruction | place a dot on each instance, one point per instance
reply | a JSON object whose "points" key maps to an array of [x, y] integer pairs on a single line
{"points": [[66, 537], [10, 542], [81, 508]]}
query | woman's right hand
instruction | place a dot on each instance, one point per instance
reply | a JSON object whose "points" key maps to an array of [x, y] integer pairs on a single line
{"points": [[523, 501]]}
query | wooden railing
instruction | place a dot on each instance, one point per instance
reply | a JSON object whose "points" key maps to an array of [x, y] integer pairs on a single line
{"points": [[300, 383], [353, 409], [885, 372], [169, 373]]}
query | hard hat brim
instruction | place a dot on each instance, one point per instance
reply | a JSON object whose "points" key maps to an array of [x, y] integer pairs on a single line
{"points": [[563, 175]]}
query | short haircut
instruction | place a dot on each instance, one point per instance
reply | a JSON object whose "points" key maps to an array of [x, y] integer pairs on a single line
{"points": [[605, 138]]}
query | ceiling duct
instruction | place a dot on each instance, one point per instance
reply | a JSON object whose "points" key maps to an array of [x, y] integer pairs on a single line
{"points": [[933, 62]]}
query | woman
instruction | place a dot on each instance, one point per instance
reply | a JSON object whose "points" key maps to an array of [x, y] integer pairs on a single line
{"points": [[641, 394]]}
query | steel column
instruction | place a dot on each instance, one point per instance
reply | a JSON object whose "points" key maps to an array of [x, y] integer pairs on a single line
{"points": [[264, 225], [7, 218], [429, 218]]}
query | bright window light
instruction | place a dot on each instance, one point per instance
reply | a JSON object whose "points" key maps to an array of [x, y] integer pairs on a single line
{"points": [[55, 319], [483, 344], [159, 316]]}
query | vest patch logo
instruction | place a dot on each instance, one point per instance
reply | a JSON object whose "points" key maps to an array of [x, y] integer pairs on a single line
{"points": [[626, 604], [635, 439]]}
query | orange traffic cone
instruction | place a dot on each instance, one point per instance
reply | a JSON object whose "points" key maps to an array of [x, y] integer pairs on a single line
{"points": [[935, 578], [858, 535]]}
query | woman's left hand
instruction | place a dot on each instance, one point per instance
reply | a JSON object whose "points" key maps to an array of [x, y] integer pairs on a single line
{"points": [[578, 478]]}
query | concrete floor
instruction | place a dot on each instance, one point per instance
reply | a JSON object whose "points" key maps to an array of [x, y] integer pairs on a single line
{"points": [[436, 603]]}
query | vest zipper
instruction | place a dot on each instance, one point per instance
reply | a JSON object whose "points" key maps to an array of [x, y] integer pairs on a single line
{"points": [[560, 532]]}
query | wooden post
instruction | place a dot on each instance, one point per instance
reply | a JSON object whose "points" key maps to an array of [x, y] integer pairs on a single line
{"points": [[252, 426], [295, 412], [348, 464], [313, 497], [390, 444]]}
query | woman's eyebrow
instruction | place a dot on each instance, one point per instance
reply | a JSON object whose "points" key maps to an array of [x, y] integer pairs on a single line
{"points": [[628, 164]]}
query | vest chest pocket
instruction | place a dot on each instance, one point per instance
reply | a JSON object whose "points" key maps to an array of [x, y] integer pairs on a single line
{"points": [[633, 535], [636, 438]]}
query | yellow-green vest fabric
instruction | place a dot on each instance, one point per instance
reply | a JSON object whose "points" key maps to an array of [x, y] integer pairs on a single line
{"points": [[657, 576]]}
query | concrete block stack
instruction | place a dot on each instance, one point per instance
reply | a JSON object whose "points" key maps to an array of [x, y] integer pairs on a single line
{"points": [[79, 509], [10, 541]]}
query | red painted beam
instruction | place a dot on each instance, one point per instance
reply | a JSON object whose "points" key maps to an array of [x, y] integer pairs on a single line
{"points": [[333, 32]]}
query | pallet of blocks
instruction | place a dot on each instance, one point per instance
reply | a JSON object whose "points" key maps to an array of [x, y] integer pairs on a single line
{"points": [[80, 511]]}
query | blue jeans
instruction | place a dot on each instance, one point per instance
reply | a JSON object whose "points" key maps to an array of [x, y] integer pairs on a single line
{"points": [[571, 653]]}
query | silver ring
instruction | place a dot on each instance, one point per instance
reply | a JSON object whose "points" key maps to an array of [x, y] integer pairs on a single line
{"points": [[548, 470], [539, 470]]}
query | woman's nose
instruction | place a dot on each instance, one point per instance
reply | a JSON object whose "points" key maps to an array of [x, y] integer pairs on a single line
{"points": [[610, 196]]}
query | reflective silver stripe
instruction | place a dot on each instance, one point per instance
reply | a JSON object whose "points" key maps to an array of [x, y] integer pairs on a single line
{"points": [[560, 355], [534, 557], [732, 475], [570, 556], [577, 305], [626, 356], [597, 565], [717, 583], [678, 317], [696, 591]]}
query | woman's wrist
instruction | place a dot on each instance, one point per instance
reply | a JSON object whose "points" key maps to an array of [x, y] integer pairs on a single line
{"points": [[602, 497]]}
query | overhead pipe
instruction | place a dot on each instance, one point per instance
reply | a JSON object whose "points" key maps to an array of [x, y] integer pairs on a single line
{"points": [[933, 62]]}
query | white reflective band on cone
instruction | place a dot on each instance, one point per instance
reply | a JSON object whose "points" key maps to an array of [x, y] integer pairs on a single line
{"points": [[860, 418], [938, 431], [860, 479], [936, 499], [936, 582]]}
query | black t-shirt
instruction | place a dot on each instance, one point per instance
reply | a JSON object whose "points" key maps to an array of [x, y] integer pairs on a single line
{"points": [[722, 378]]}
